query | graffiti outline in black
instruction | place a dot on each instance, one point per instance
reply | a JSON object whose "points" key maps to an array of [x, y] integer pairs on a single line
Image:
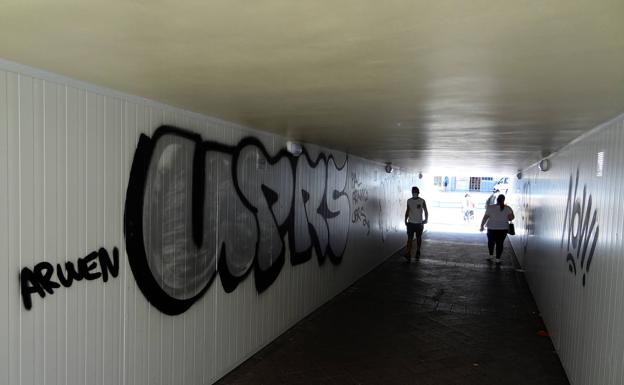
{"points": [[135, 199]]}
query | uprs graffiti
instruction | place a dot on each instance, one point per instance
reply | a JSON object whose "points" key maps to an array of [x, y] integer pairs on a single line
{"points": [[196, 208]]}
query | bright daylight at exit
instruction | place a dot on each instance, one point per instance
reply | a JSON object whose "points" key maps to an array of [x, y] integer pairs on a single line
{"points": [[457, 203]]}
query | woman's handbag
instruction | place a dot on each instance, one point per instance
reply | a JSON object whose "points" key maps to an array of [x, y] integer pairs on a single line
{"points": [[512, 229]]}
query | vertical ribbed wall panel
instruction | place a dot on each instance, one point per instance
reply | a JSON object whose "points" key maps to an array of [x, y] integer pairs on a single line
{"points": [[5, 223], [585, 318], [66, 151]]}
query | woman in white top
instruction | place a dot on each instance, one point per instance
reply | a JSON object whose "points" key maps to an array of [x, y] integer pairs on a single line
{"points": [[497, 218]]}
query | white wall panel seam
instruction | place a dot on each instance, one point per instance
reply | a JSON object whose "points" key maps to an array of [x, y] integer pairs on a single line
{"points": [[45, 255], [124, 291], [86, 221], [5, 353], [19, 204]]}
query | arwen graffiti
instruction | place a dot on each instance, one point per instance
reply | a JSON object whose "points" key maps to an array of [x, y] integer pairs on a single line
{"points": [[580, 229], [41, 279], [196, 208]]}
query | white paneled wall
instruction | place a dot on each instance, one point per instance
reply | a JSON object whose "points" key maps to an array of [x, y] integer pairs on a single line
{"points": [[584, 318], [66, 151]]}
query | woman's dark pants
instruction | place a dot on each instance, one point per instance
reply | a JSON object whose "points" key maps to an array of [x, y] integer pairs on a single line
{"points": [[496, 237]]}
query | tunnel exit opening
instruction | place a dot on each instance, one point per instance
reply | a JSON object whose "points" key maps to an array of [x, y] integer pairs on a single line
{"points": [[457, 203]]}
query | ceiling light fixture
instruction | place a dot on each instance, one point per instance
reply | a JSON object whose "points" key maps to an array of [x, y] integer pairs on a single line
{"points": [[294, 148], [544, 165]]}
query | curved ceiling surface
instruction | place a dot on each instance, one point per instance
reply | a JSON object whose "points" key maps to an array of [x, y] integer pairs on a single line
{"points": [[482, 86]]}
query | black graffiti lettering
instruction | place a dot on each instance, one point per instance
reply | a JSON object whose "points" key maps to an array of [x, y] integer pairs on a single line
{"points": [[86, 265], [267, 192], [237, 224], [248, 203], [359, 215], [301, 238], [590, 255], [310, 224], [356, 183], [106, 265], [270, 196], [162, 217], [579, 228], [575, 225], [44, 271], [359, 196], [527, 216], [568, 216], [571, 263], [29, 284], [39, 280], [583, 226], [336, 203], [72, 274]]}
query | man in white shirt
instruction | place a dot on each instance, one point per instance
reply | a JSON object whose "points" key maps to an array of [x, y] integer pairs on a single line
{"points": [[415, 222]]}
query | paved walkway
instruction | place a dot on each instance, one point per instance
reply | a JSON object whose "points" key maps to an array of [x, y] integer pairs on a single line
{"points": [[449, 318]]}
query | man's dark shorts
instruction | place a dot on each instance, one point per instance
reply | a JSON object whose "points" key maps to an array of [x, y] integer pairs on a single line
{"points": [[414, 228]]}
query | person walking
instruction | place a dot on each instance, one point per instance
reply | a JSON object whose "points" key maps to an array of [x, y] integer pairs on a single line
{"points": [[492, 198], [497, 218], [468, 207], [415, 221]]}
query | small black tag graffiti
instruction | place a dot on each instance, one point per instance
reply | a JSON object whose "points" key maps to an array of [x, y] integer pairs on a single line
{"points": [[40, 280], [359, 197], [580, 229], [393, 196], [526, 213]]}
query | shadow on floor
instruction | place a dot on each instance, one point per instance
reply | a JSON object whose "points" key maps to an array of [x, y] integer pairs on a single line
{"points": [[450, 317]]}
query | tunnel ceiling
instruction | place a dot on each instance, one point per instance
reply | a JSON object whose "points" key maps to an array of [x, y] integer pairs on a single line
{"points": [[485, 86]]}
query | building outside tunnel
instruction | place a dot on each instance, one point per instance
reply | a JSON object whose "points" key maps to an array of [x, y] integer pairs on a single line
{"points": [[182, 183]]}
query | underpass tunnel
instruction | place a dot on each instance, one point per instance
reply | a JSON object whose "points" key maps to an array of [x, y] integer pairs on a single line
{"points": [[216, 192]]}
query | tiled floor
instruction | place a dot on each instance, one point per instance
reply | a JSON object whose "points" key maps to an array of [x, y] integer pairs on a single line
{"points": [[449, 318]]}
